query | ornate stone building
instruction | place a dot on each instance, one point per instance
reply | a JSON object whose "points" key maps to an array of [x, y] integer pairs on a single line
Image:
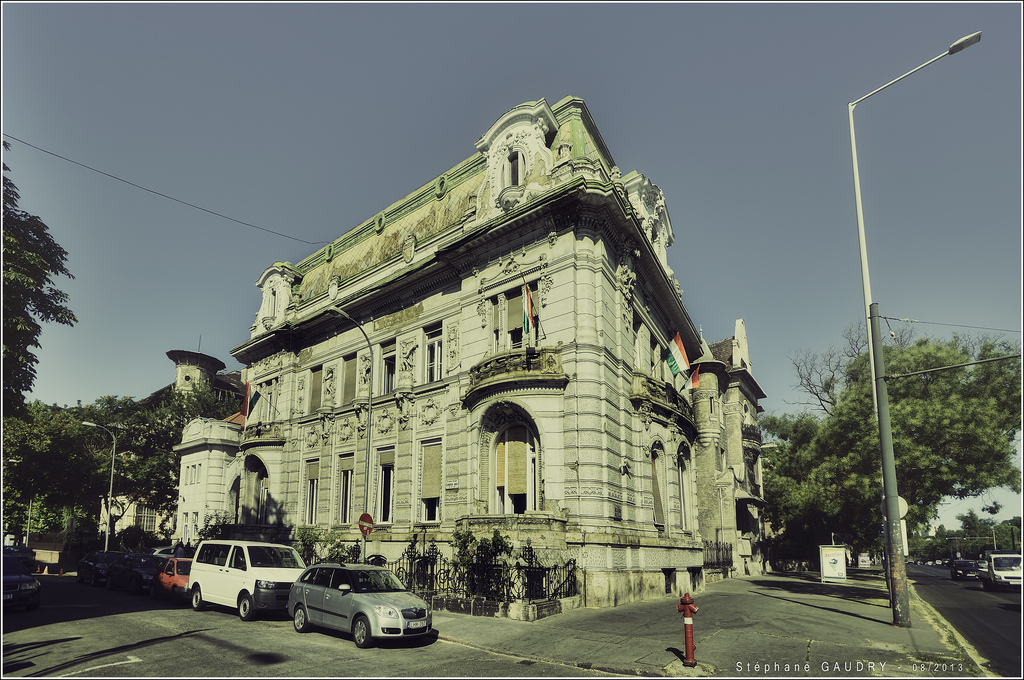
{"points": [[486, 353]]}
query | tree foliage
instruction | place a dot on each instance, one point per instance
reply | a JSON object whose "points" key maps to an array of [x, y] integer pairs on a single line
{"points": [[953, 436], [51, 458], [31, 258]]}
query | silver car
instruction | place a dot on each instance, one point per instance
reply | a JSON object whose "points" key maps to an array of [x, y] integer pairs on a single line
{"points": [[366, 601]]}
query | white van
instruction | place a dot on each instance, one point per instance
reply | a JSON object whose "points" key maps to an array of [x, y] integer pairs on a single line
{"points": [[249, 575]]}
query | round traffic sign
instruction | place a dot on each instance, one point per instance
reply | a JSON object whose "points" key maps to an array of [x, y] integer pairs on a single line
{"points": [[365, 524]]}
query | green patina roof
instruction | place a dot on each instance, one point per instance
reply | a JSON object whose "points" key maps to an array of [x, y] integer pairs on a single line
{"points": [[435, 207]]}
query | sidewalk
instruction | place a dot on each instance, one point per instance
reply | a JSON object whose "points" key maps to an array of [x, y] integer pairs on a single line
{"points": [[789, 625]]}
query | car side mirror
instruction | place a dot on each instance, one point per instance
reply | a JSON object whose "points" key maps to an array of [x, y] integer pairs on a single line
{"points": [[344, 588]]}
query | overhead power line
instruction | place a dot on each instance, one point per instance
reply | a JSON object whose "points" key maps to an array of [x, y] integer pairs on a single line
{"points": [[939, 323], [170, 198]]}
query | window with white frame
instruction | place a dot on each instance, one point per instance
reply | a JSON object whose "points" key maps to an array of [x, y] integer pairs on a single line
{"points": [[345, 496], [435, 354], [386, 486], [145, 518], [348, 378], [316, 386], [684, 495], [388, 359], [515, 471], [656, 461], [430, 483], [312, 489]]}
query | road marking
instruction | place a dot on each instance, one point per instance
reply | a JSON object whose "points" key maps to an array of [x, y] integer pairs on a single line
{"points": [[86, 671]]}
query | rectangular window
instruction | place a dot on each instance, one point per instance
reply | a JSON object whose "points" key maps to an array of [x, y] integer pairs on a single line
{"points": [[145, 518], [316, 386], [199, 472], [386, 486], [312, 490], [388, 372], [348, 388], [430, 491], [345, 500], [434, 354]]}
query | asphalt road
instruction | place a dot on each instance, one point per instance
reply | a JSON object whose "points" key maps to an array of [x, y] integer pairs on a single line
{"points": [[91, 632], [990, 621]]}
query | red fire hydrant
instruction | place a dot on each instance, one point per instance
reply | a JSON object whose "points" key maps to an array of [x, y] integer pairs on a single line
{"points": [[688, 608]]}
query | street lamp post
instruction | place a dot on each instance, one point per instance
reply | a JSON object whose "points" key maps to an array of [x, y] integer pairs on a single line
{"points": [[369, 419], [110, 495], [897, 567]]}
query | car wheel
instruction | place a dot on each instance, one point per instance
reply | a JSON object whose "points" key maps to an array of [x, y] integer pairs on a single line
{"points": [[361, 632], [154, 592], [197, 599], [95, 580], [246, 608], [300, 620]]}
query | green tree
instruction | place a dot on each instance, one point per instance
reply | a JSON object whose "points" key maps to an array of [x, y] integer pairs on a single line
{"points": [[953, 437], [147, 468], [31, 258], [47, 463]]}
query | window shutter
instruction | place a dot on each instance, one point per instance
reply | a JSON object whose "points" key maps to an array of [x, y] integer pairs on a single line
{"points": [[517, 460], [313, 470], [659, 515], [499, 472], [346, 463], [515, 312], [348, 390], [387, 457], [431, 471]]}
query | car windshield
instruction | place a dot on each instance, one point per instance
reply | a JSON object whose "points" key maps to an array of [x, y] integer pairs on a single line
{"points": [[964, 564], [1006, 563], [376, 581], [184, 568], [150, 561], [276, 556], [12, 565]]}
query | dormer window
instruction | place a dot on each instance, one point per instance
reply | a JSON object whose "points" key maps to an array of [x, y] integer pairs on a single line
{"points": [[514, 168]]}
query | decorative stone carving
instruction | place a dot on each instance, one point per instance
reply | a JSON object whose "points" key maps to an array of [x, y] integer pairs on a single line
{"points": [[345, 431], [385, 423], [452, 345], [430, 412]]}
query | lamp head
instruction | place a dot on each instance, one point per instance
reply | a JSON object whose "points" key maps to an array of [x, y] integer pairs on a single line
{"points": [[964, 42]]}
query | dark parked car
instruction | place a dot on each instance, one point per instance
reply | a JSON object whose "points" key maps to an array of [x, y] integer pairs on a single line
{"points": [[173, 579], [92, 568], [134, 571], [963, 569], [366, 601], [21, 589], [25, 554]]}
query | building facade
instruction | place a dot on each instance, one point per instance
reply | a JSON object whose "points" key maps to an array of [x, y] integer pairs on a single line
{"points": [[487, 353]]}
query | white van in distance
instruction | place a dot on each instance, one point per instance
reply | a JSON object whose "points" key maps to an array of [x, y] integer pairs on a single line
{"points": [[249, 575]]}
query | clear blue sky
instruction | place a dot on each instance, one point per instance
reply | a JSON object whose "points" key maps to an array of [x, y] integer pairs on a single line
{"points": [[309, 119]]}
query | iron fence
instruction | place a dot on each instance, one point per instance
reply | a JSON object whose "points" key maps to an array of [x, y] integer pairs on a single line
{"points": [[525, 579], [717, 555]]}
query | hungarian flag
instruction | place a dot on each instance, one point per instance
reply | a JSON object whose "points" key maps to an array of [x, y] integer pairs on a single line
{"points": [[695, 379], [676, 358], [252, 397]]}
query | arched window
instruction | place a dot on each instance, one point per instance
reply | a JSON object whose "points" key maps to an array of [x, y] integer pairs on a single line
{"points": [[659, 512], [684, 490], [515, 471], [515, 168]]}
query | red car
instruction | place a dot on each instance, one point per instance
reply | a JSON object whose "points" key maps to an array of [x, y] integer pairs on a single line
{"points": [[173, 579]]}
